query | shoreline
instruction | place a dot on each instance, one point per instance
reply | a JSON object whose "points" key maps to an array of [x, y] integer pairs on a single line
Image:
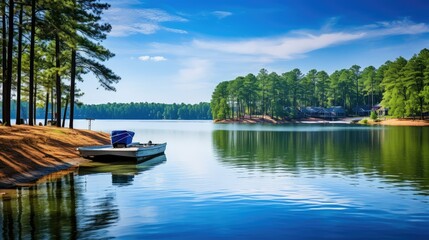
{"points": [[346, 120], [32, 177], [28, 153]]}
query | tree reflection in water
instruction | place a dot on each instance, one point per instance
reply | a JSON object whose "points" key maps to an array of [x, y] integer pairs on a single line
{"points": [[397, 154], [60, 208], [54, 210]]}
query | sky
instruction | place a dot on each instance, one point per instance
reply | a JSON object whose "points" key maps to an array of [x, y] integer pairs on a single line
{"points": [[177, 51]]}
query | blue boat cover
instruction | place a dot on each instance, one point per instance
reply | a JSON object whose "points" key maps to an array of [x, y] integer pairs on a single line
{"points": [[121, 138]]}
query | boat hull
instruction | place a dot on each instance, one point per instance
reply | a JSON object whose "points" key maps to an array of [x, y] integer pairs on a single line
{"points": [[135, 150]]}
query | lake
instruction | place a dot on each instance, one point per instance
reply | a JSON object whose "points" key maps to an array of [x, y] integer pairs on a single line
{"points": [[233, 181]]}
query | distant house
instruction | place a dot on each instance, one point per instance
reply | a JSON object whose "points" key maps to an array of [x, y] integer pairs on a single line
{"points": [[380, 110], [309, 111], [315, 112], [362, 110], [318, 112], [336, 111]]}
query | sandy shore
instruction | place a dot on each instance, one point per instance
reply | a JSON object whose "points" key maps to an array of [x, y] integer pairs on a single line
{"points": [[402, 122], [269, 120], [29, 153], [253, 120]]}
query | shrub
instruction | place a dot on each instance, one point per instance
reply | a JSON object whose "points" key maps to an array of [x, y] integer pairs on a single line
{"points": [[373, 115]]}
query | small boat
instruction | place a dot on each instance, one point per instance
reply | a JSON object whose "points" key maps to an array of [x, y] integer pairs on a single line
{"points": [[123, 147]]}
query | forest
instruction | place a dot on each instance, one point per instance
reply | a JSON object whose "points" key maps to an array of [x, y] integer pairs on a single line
{"points": [[145, 110], [141, 110], [47, 47], [401, 86]]}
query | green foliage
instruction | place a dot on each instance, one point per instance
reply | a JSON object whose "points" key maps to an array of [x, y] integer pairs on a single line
{"points": [[425, 94], [218, 104], [145, 110], [371, 85], [200, 111], [404, 86], [322, 87], [373, 115]]}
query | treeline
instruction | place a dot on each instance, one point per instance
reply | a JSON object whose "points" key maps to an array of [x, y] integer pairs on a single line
{"points": [[402, 86], [145, 110], [47, 46]]}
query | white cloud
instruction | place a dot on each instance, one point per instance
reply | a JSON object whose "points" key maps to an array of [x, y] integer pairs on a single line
{"points": [[154, 58], [175, 30], [400, 27], [221, 14], [280, 48], [157, 15], [144, 58], [158, 58], [127, 21], [146, 28]]}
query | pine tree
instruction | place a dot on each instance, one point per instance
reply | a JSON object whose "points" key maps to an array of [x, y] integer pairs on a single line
{"points": [[322, 86], [414, 81], [369, 83], [394, 96]]}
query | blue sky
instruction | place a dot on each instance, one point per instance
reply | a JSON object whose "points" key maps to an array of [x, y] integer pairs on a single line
{"points": [[179, 50]]}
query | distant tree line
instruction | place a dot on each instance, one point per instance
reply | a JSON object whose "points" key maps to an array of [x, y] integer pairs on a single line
{"points": [[47, 46], [143, 110], [402, 86]]}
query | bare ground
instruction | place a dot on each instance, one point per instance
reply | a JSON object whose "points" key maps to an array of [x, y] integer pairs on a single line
{"points": [[402, 122], [28, 153]]}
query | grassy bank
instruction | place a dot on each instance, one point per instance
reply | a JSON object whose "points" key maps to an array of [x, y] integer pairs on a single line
{"points": [[29, 153]]}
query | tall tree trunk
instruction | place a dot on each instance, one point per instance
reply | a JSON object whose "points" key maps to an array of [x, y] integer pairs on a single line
{"points": [[72, 87], [58, 80], [31, 80], [35, 100], [46, 107], [72, 77], [65, 112], [4, 53], [372, 93], [357, 96], [18, 69], [52, 104], [8, 83]]}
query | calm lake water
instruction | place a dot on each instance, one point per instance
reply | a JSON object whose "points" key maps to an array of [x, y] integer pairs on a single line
{"points": [[238, 181]]}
